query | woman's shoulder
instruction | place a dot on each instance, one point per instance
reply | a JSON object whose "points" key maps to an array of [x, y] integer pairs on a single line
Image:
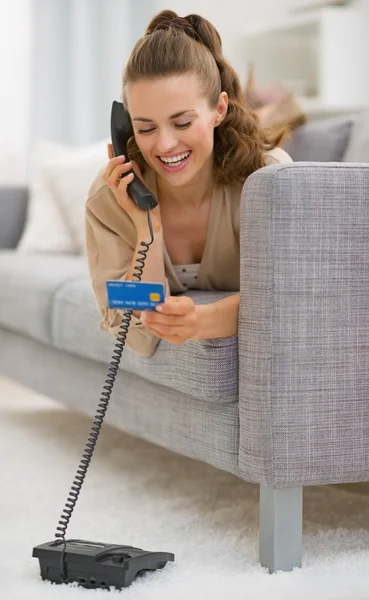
{"points": [[97, 185], [232, 191], [272, 157], [101, 205], [102, 209], [277, 156]]}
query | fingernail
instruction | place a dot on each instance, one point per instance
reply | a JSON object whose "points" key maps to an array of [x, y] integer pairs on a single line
{"points": [[143, 317], [159, 308]]}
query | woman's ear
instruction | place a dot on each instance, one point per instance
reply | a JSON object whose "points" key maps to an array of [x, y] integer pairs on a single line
{"points": [[221, 109]]}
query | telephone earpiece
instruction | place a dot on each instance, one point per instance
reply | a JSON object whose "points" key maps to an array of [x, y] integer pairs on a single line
{"points": [[121, 131]]}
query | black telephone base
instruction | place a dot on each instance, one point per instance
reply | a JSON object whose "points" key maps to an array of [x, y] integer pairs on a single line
{"points": [[96, 565]]}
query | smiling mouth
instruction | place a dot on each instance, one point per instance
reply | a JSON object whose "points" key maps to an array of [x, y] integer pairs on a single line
{"points": [[175, 161]]}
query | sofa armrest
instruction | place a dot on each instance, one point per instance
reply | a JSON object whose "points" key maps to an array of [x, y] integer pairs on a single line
{"points": [[304, 325], [13, 211]]}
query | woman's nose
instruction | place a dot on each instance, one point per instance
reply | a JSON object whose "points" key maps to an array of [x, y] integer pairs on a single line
{"points": [[166, 141]]}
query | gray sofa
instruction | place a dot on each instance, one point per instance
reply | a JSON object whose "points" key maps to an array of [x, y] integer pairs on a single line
{"points": [[283, 404]]}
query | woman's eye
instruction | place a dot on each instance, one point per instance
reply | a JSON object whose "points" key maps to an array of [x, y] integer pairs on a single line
{"points": [[145, 130], [178, 125], [183, 125]]}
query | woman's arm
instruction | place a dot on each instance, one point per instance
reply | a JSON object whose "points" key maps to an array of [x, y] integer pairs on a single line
{"points": [[179, 319], [111, 245], [218, 319]]}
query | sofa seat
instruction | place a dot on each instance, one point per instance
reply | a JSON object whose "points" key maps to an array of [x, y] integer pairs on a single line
{"points": [[205, 369], [29, 283], [49, 298]]}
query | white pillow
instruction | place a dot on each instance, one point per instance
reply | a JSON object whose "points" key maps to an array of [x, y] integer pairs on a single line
{"points": [[46, 229], [70, 180], [60, 179]]}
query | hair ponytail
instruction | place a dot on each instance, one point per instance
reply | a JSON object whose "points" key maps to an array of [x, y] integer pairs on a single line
{"points": [[239, 142], [207, 33]]}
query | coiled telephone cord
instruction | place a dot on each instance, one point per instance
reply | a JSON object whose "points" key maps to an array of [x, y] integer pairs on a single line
{"points": [[100, 414]]}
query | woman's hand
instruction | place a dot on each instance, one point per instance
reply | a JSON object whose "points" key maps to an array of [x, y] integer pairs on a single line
{"points": [[116, 167], [176, 320]]}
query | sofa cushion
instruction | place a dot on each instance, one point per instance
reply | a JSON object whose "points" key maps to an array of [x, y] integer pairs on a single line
{"points": [[13, 211], [357, 150], [28, 285], [205, 369], [321, 141]]}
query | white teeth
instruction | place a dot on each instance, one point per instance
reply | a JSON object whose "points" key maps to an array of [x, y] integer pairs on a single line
{"points": [[175, 159]]}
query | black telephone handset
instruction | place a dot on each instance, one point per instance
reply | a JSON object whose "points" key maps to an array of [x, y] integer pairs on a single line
{"points": [[121, 131]]}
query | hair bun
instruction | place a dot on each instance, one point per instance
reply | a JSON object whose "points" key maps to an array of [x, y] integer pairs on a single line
{"points": [[168, 19]]}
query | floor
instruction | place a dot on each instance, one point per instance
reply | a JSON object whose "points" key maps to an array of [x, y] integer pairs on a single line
{"points": [[139, 494]]}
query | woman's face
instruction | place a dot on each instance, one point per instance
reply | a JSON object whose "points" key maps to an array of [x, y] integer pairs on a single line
{"points": [[174, 125]]}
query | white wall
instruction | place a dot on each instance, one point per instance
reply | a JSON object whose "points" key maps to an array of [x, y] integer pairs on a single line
{"points": [[363, 5], [60, 64], [231, 18], [15, 48]]}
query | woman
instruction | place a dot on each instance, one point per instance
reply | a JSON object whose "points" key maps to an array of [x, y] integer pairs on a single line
{"points": [[194, 146]]}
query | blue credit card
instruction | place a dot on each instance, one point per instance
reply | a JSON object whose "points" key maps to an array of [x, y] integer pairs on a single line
{"points": [[136, 295]]}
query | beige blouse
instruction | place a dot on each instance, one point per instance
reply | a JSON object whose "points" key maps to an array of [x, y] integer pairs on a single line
{"points": [[111, 239]]}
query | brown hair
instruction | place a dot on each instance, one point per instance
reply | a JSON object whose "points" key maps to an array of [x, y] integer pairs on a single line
{"points": [[174, 46]]}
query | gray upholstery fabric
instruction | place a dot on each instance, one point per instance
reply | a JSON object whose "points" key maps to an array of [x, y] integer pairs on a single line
{"points": [[357, 150], [205, 369], [28, 285], [303, 411], [200, 430], [304, 325], [49, 297], [320, 141], [13, 211]]}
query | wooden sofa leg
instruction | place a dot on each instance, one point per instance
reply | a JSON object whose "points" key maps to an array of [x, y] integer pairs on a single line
{"points": [[280, 528]]}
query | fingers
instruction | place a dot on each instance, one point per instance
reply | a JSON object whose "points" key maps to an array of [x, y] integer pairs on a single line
{"points": [[177, 326], [121, 184], [119, 172], [115, 169], [176, 306], [173, 339], [182, 316], [166, 331], [152, 318]]}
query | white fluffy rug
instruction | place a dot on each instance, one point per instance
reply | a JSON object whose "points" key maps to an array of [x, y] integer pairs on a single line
{"points": [[139, 494]]}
